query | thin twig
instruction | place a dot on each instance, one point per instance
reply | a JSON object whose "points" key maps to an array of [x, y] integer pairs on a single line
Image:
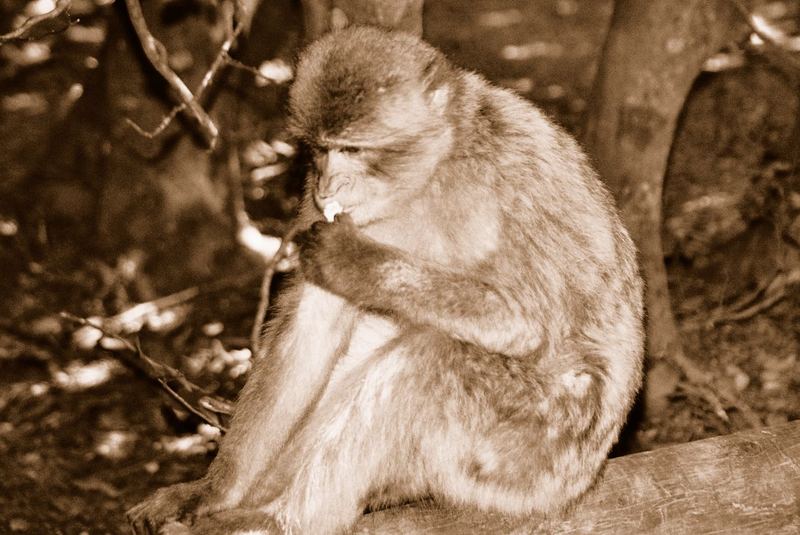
{"points": [[748, 306], [768, 39], [157, 54], [163, 375], [774, 292], [243, 220], [165, 122], [222, 58], [134, 313], [263, 301], [239, 65], [248, 68], [22, 33], [702, 380], [756, 308]]}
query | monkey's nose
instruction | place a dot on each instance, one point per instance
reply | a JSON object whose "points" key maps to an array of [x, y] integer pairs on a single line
{"points": [[322, 199], [327, 191], [329, 183]]}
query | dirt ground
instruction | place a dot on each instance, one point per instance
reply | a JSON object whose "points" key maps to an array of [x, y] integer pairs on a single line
{"points": [[83, 437]]}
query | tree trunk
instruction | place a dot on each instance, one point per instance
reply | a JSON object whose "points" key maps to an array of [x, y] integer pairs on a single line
{"points": [[653, 53], [325, 15], [748, 482]]}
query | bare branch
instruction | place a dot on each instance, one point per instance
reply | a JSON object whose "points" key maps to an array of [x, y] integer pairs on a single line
{"points": [[157, 54], [749, 305], [28, 29], [165, 122], [203, 406], [775, 42], [773, 296], [239, 65], [269, 272], [222, 58], [252, 70], [703, 382]]}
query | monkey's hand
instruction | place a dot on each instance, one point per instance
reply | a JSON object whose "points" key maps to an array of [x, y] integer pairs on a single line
{"points": [[374, 276], [168, 505], [337, 257]]}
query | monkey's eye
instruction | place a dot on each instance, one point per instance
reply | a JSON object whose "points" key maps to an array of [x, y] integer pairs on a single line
{"points": [[315, 149], [350, 149]]}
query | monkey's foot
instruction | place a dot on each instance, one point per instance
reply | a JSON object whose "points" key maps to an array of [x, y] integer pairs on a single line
{"points": [[167, 506], [252, 522]]}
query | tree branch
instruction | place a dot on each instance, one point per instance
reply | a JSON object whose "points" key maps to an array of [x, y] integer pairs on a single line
{"points": [[747, 482], [28, 29], [269, 272], [210, 409], [157, 54], [776, 42]]}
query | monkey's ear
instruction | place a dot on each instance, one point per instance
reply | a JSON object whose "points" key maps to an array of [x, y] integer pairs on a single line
{"points": [[438, 99], [339, 20], [435, 77]]}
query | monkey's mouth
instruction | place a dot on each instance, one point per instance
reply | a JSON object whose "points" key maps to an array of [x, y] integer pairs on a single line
{"points": [[331, 210]]}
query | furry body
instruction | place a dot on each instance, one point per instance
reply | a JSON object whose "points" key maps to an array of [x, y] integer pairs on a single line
{"points": [[471, 330]]}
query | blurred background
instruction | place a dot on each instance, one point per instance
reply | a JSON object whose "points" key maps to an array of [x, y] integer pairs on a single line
{"points": [[119, 210]]}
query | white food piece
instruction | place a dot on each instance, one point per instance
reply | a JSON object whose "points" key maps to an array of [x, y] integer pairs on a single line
{"points": [[331, 209]]}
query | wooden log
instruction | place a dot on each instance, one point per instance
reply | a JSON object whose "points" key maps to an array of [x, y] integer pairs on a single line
{"points": [[747, 482]]}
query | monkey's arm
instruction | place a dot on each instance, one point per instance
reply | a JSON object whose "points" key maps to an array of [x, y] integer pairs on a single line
{"points": [[304, 342], [378, 277], [305, 339]]}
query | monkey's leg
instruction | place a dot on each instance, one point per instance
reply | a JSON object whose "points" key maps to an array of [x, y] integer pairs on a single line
{"points": [[358, 442], [283, 385], [521, 435], [435, 416], [308, 335]]}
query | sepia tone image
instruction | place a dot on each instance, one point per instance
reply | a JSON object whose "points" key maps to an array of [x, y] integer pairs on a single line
{"points": [[399, 266]]}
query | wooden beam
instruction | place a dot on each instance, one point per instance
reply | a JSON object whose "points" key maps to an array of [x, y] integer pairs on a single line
{"points": [[747, 482]]}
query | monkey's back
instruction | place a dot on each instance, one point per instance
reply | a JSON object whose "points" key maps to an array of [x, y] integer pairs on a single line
{"points": [[563, 247]]}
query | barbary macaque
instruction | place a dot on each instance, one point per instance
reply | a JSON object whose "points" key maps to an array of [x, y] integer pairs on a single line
{"points": [[468, 328]]}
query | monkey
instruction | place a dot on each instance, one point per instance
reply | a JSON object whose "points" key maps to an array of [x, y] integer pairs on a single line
{"points": [[467, 329]]}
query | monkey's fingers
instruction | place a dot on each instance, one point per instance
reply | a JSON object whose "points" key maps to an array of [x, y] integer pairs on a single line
{"points": [[141, 523], [167, 505], [344, 218]]}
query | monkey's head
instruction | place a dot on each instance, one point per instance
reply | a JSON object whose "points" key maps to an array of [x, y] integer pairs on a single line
{"points": [[372, 107]]}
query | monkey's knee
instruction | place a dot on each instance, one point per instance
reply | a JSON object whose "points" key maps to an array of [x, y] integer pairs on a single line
{"points": [[529, 463]]}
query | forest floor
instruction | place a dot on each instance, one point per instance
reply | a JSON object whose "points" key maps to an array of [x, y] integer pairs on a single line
{"points": [[83, 437]]}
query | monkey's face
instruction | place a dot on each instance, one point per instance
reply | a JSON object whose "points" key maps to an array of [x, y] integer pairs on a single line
{"points": [[378, 165], [371, 106], [339, 176], [356, 179]]}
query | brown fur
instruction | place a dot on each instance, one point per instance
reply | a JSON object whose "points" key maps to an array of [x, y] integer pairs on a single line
{"points": [[470, 329]]}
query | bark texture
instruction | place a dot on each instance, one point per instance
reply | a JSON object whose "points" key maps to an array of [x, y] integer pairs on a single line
{"points": [[653, 53], [325, 15]]}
